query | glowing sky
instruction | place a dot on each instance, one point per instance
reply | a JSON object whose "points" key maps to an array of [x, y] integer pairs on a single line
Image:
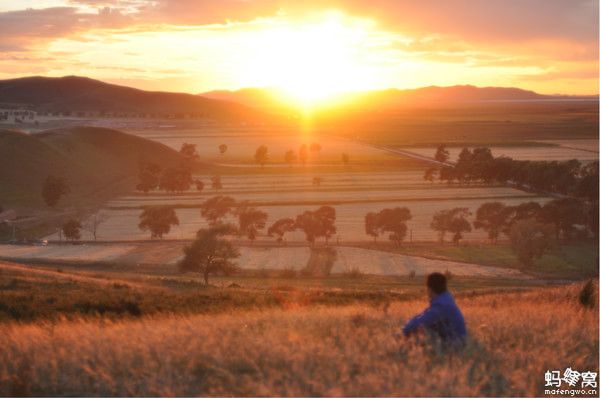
{"points": [[310, 48]]}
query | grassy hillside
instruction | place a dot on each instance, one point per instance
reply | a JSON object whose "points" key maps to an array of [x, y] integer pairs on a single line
{"points": [[97, 163], [273, 342]]}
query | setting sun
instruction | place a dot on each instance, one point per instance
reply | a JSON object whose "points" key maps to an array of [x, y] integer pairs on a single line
{"points": [[314, 61]]}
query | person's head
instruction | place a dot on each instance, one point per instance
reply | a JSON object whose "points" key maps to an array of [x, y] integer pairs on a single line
{"points": [[436, 284]]}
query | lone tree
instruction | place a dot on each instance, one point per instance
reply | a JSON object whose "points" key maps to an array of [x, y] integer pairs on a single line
{"points": [[394, 221], [372, 225], [53, 189], [261, 156], [210, 254], [430, 174], [149, 177], [441, 153], [492, 217], [222, 149], [216, 182], [158, 220], [251, 221], [451, 220], [72, 230], [530, 239], [290, 157], [316, 181], [216, 208], [281, 227]]}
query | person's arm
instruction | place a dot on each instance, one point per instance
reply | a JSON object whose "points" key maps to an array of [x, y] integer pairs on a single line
{"points": [[427, 318]]}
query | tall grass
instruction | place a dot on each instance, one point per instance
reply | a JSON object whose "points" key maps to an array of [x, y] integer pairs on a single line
{"points": [[351, 351]]}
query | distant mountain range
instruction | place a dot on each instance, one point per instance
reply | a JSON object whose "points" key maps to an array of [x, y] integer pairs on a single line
{"points": [[76, 94], [393, 98], [72, 94]]}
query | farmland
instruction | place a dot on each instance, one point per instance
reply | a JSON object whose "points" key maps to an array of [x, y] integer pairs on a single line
{"points": [[559, 150], [352, 194], [162, 258]]}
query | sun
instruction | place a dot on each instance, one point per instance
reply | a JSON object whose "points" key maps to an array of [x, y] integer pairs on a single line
{"points": [[313, 62]]}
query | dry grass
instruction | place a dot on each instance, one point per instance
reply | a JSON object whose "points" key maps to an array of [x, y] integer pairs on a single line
{"points": [[351, 351]]}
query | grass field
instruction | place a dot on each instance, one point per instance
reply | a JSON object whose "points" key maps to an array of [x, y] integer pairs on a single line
{"points": [[132, 338]]}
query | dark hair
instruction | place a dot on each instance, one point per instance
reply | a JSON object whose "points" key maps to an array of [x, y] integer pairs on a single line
{"points": [[436, 282]]}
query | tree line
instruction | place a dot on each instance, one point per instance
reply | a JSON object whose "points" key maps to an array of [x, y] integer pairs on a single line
{"points": [[316, 224], [478, 165]]}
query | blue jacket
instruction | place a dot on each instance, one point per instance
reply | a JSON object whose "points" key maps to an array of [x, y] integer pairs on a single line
{"points": [[443, 317]]}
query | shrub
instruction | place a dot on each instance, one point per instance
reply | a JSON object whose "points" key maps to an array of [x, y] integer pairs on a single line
{"points": [[587, 296], [354, 273]]}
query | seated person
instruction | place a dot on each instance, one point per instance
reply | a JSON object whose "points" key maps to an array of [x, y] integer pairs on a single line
{"points": [[443, 317]]}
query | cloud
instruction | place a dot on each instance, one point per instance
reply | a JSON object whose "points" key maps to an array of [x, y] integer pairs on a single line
{"points": [[22, 29], [556, 36]]}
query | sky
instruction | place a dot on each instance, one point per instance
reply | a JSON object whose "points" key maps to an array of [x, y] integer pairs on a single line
{"points": [[309, 48]]}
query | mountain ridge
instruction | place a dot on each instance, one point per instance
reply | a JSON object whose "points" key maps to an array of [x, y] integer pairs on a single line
{"points": [[76, 93]]}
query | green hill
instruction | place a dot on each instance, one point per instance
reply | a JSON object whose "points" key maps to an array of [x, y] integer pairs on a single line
{"points": [[97, 163]]}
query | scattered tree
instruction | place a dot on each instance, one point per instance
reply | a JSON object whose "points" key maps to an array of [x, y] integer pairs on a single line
{"points": [[149, 177], [290, 157], [303, 154], [222, 149], [459, 224], [72, 230], [316, 181], [210, 253], [372, 225], [176, 179], [564, 214], [492, 217], [216, 182], [158, 220], [199, 185], [216, 208], [394, 221], [441, 154], [188, 151], [430, 174], [345, 159], [262, 155], [315, 147], [53, 189], [281, 227], [93, 223], [318, 223], [530, 239], [451, 220], [251, 220]]}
